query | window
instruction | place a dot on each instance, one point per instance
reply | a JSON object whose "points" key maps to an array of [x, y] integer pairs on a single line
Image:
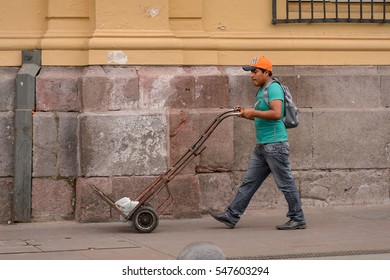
{"points": [[314, 11]]}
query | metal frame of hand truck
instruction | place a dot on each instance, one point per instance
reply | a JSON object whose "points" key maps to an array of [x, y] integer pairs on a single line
{"points": [[143, 216]]}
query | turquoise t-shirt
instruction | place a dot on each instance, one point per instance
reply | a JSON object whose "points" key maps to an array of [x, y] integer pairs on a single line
{"points": [[270, 131]]}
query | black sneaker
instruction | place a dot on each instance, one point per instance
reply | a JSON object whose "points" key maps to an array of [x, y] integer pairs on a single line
{"points": [[223, 218], [291, 224]]}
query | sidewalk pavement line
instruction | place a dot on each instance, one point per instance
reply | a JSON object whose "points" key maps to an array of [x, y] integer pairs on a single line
{"points": [[314, 255]]}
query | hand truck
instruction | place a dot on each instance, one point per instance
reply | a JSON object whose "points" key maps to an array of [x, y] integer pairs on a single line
{"points": [[143, 216]]}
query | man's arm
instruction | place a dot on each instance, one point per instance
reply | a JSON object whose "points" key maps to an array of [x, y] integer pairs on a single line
{"points": [[274, 113]]}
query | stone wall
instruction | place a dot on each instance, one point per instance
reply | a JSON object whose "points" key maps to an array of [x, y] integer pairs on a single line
{"points": [[120, 127]]}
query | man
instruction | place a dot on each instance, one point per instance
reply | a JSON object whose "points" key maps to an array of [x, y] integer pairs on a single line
{"points": [[271, 154]]}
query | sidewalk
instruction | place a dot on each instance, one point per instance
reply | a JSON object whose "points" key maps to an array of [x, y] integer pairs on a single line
{"points": [[332, 233]]}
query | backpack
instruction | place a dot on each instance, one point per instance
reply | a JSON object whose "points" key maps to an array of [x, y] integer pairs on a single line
{"points": [[291, 112]]}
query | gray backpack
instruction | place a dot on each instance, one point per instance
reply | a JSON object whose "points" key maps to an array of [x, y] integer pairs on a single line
{"points": [[291, 112]]}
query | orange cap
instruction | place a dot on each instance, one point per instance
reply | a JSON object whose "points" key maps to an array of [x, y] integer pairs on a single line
{"points": [[259, 62]]}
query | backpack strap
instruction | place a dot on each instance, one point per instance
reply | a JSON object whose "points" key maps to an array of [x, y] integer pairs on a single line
{"points": [[266, 99]]}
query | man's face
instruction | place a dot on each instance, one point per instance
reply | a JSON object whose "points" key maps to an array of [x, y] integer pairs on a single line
{"points": [[259, 78]]}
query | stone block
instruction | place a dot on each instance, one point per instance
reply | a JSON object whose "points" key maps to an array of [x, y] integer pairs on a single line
{"points": [[181, 92], [217, 191], [182, 88], [58, 89], [339, 91], [385, 90], [383, 69], [6, 144], [6, 197], [130, 187], [336, 70], [301, 141], [68, 141], [166, 87], [183, 133], [95, 89], [219, 153], [119, 143], [45, 152], [186, 197], [187, 127], [55, 144], [244, 143], [211, 87], [89, 206], [241, 89], [7, 88], [315, 187], [351, 139], [52, 200], [283, 70], [344, 187], [124, 92]]}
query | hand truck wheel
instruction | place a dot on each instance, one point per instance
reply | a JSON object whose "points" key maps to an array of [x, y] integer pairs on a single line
{"points": [[145, 219]]}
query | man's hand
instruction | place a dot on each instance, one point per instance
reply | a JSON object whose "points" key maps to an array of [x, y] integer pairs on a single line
{"points": [[245, 113], [275, 112]]}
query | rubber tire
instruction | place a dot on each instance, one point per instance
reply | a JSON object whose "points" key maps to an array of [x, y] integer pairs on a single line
{"points": [[145, 219]]}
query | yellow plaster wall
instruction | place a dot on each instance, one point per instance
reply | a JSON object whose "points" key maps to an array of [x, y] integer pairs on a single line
{"points": [[176, 32]]}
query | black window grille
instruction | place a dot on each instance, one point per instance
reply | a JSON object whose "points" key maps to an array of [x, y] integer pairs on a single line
{"points": [[314, 11]]}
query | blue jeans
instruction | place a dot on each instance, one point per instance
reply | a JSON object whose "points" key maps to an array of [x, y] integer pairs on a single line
{"points": [[269, 158]]}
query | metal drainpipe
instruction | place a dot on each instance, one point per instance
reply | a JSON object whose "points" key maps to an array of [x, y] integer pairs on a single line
{"points": [[24, 109]]}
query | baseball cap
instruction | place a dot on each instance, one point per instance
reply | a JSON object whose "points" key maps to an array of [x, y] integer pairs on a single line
{"points": [[259, 62]]}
